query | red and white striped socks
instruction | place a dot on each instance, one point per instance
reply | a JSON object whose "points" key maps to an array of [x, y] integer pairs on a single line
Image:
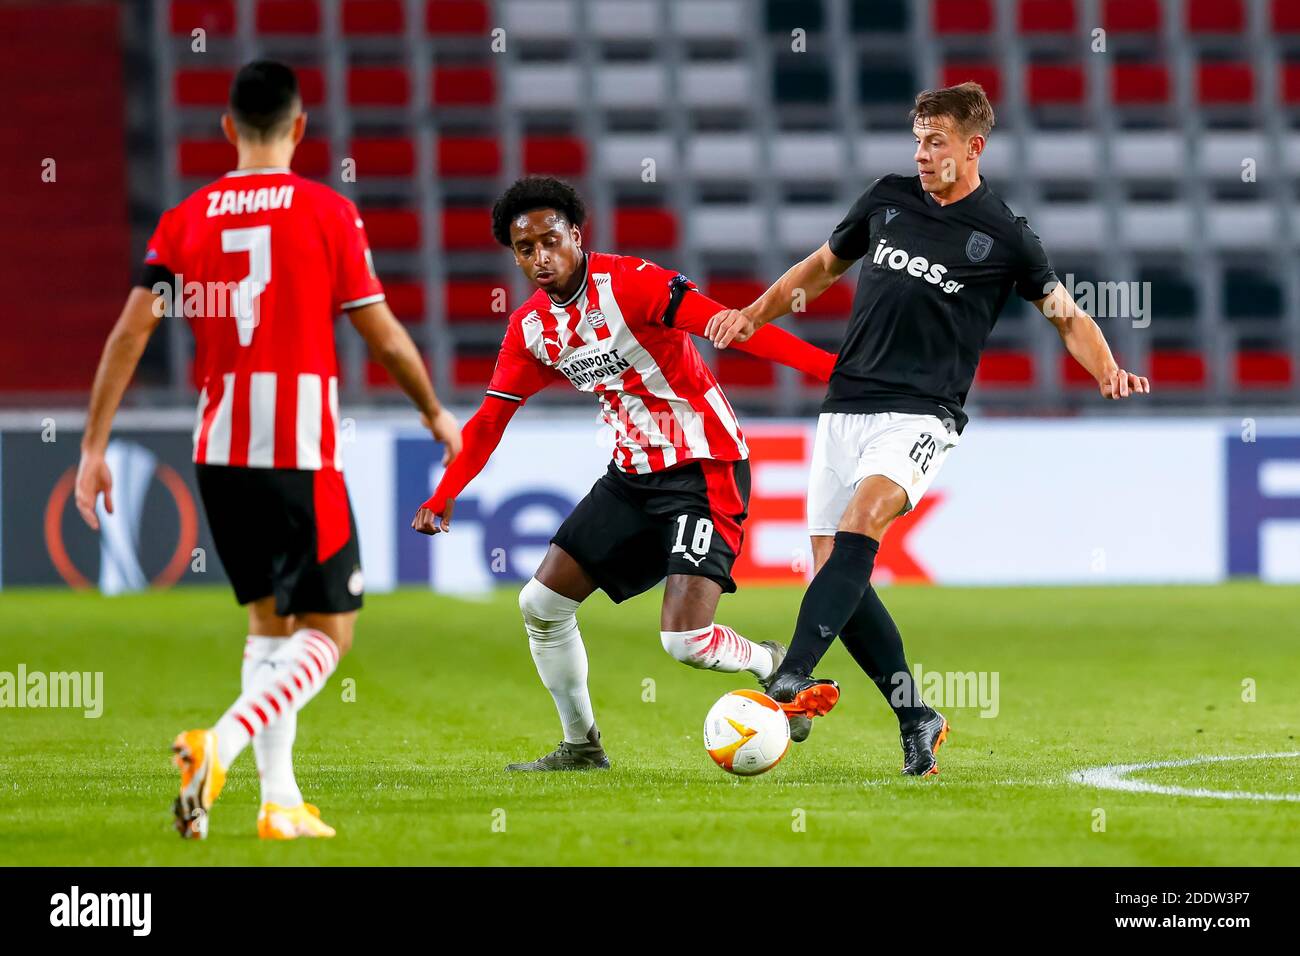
{"points": [[718, 648], [273, 746], [293, 676]]}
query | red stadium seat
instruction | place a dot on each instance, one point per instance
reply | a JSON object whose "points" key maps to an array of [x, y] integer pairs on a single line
{"points": [[378, 86], [390, 156], [987, 75], [741, 370], [311, 85], [643, 228], [1051, 84], [734, 293], [468, 370], [1225, 83], [468, 156], [555, 155], [210, 158], [1001, 368], [464, 86], [406, 299], [217, 17], [1257, 369], [288, 16], [373, 17], [1131, 16], [962, 16], [1140, 83], [1215, 16], [1172, 368], [477, 300], [467, 229], [392, 228], [202, 87], [1291, 82], [312, 158], [456, 16], [1047, 16], [1286, 16]]}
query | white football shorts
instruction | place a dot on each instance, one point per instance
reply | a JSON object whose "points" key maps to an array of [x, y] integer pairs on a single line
{"points": [[906, 448]]}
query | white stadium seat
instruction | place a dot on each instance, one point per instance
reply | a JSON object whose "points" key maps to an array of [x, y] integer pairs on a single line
{"points": [[710, 19]]}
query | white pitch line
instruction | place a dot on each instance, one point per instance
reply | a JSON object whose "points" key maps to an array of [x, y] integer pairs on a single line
{"points": [[1114, 777]]}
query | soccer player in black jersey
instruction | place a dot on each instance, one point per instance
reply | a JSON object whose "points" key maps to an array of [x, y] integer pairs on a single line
{"points": [[941, 253]]}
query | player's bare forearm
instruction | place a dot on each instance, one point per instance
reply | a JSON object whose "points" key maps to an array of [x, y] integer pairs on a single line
{"points": [[807, 279], [117, 364], [1084, 340], [392, 347]]}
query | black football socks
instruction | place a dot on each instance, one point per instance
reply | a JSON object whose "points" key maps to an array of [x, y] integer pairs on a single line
{"points": [[831, 599], [872, 637]]}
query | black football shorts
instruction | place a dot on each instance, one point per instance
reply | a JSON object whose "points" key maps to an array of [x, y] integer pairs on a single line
{"points": [[632, 531], [287, 533]]}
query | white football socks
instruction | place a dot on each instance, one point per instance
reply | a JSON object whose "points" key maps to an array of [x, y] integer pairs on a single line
{"points": [[718, 648], [559, 654], [297, 670], [273, 747]]}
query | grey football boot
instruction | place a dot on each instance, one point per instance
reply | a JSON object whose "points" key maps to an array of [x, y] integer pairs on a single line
{"points": [[567, 756], [800, 726]]}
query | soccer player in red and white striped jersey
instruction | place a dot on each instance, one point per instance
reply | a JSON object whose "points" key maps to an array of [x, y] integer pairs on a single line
{"points": [[261, 262], [673, 501]]}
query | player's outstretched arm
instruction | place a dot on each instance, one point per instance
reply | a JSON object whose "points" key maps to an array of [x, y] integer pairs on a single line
{"points": [[482, 435], [122, 351], [771, 342], [811, 277], [1082, 337], [392, 347]]}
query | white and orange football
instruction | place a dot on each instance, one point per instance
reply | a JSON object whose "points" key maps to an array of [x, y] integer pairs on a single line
{"points": [[746, 733]]}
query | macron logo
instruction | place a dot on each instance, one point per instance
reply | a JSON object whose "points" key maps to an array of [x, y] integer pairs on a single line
{"points": [[900, 260], [103, 909]]}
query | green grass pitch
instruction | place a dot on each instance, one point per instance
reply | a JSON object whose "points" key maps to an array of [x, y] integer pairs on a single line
{"points": [[410, 772]]}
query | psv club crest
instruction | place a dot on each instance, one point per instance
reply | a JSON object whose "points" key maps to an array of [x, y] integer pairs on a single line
{"points": [[978, 246], [596, 318]]}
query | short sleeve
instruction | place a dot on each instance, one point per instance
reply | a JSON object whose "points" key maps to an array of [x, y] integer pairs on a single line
{"points": [[356, 283], [518, 374], [852, 237], [1034, 276], [653, 287], [161, 257]]}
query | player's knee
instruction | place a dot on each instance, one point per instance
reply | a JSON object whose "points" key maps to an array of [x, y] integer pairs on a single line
{"points": [[545, 610], [687, 646]]}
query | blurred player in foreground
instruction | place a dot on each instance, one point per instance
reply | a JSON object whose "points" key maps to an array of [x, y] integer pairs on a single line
{"points": [[674, 499], [943, 253], [273, 259]]}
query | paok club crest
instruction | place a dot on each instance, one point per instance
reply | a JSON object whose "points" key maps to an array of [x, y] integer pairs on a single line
{"points": [[978, 246]]}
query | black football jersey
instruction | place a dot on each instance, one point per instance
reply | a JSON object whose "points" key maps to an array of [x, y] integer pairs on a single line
{"points": [[932, 283]]}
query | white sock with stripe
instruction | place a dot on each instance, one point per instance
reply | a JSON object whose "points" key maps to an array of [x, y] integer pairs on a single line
{"points": [[273, 747], [718, 648], [299, 669]]}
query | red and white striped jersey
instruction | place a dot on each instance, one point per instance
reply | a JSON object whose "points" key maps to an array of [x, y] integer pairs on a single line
{"points": [[655, 391], [262, 261]]}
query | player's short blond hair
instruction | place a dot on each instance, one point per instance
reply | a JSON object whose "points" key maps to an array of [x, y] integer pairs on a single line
{"points": [[966, 104]]}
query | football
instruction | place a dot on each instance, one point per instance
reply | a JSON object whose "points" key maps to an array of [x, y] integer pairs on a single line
{"points": [[746, 733]]}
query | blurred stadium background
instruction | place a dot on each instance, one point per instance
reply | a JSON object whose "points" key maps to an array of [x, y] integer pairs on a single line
{"points": [[1149, 142]]}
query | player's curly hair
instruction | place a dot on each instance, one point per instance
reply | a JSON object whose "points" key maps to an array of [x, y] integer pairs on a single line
{"points": [[536, 192]]}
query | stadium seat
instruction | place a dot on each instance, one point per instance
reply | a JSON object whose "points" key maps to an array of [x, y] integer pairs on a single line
{"points": [[886, 84], [378, 86], [1251, 294], [1176, 368], [1005, 369], [1256, 369], [1290, 83], [646, 228], [473, 370], [796, 81], [463, 86], [389, 156], [215, 157], [962, 16], [555, 155], [1131, 16], [476, 300], [1047, 17], [879, 16], [392, 229], [467, 229], [442, 17], [311, 85], [1225, 84], [1215, 16], [373, 17], [1172, 294], [288, 16], [783, 16], [736, 369], [468, 156], [835, 303], [987, 75], [1286, 16], [1055, 84], [1139, 84], [216, 17], [406, 299], [735, 293], [710, 19], [202, 87]]}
